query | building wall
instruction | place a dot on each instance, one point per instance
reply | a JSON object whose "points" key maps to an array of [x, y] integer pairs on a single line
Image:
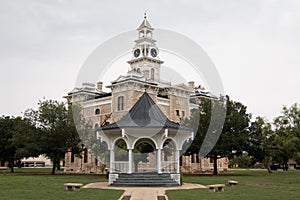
{"points": [[192, 164], [178, 99]]}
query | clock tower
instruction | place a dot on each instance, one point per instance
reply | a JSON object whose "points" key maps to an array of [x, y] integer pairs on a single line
{"points": [[145, 54]]}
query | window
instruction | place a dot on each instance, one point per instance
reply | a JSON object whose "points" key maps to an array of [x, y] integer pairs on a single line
{"points": [[97, 111], [197, 159], [180, 160], [72, 156], [182, 113], [85, 155], [193, 158], [96, 125], [152, 74], [177, 112], [120, 103]]}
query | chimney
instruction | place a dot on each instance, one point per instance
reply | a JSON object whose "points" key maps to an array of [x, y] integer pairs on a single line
{"points": [[99, 86], [191, 85]]}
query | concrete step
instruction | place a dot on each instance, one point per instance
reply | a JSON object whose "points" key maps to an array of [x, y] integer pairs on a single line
{"points": [[161, 184], [145, 179]]}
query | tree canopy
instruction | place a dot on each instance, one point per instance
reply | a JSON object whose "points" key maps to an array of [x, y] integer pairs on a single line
{"points": [[287, 133], [57, 130], [17, 139], [232, 140]]}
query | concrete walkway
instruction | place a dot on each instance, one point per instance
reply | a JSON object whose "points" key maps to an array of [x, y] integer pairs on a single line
{"points": [[144, 193]]}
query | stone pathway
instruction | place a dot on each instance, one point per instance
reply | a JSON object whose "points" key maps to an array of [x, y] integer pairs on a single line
{"points": [[144, 193]]}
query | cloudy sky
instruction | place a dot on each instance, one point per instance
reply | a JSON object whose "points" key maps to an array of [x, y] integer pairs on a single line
{"points": [[254, 44]]}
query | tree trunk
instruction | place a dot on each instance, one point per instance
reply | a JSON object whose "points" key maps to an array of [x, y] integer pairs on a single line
{"points": [[11, 166], [215, 158], [54, 164], [267, 165], [285, 166]]}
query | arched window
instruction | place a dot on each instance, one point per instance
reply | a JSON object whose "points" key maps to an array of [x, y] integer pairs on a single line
{"points": [[96, 125], [120, 103], [152, 74], [97, 111]]}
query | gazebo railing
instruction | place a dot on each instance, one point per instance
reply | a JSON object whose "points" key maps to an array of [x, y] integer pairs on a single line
{"points": [[120, 166], [169, 166]]}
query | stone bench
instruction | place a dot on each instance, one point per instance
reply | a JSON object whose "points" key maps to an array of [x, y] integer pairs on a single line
{"points": [[219, 187], [73, 186], [232, 183]]}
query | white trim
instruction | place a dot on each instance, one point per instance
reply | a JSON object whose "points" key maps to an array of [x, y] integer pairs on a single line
{"points": [[120, 138], [139, 138], [173, 140]]}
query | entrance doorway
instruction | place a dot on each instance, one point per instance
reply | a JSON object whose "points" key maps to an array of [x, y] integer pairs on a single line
{"points": [[144, 156]]}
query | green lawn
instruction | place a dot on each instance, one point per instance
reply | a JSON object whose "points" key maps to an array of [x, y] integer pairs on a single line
{"points": [[257, 185], [35, 184]]}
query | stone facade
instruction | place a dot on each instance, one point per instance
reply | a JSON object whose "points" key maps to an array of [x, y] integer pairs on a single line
{"points": [[194, 164]]}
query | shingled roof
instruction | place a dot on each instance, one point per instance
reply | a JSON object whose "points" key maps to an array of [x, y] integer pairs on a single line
{"points": [[145, 114]]}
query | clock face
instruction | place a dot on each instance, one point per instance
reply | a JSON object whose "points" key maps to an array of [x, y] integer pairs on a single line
{"points": [[153, 52], [137, 52]]}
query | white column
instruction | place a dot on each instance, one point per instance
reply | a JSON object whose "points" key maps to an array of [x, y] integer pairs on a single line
{"points": [[159, 161], [129, 161], [112, 160], [177, 157]]}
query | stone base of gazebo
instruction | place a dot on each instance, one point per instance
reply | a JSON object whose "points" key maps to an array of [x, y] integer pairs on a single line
{"points": [[144, 180]]}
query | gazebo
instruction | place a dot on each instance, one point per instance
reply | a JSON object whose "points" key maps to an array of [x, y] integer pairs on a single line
{"points": [[144, 129]]}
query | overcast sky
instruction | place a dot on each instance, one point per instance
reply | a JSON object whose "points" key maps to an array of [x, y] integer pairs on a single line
{"points": [[254, 44]]}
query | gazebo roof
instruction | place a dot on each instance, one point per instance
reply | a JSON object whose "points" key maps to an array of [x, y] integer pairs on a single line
{"points": [[145, 114]]}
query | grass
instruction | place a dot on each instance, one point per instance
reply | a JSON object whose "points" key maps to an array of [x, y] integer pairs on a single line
{"points": [[256, 184], [30, 183], [35, 184]]}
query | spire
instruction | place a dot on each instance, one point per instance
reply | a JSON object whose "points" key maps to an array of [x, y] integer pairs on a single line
{"points": [[145, 23]]}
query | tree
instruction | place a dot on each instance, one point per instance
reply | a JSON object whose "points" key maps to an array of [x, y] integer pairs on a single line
{"points": [[287, 133], [234, 135], [17, 139], [243, 161], [260, 136], [233, 138], [199, 121], [58, 131], [7, 148]]}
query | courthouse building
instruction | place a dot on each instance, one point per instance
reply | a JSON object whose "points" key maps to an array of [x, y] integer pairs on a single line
{"points": [[140, 109]]}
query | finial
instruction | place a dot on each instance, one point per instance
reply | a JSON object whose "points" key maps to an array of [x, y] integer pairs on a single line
{"points": [[145, 14]]}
